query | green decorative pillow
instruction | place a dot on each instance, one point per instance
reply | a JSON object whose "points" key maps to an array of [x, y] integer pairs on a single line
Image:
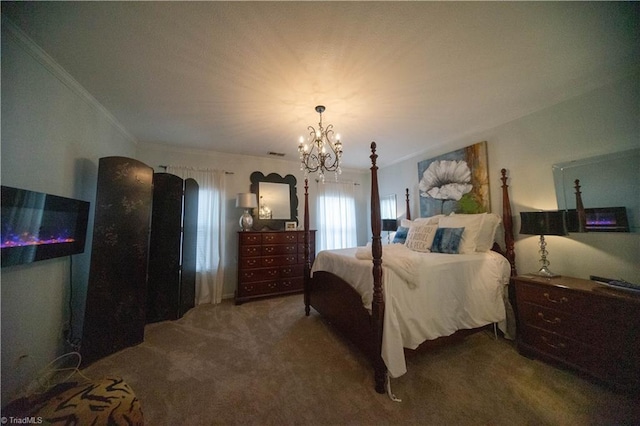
{"points": [[447, 240]]}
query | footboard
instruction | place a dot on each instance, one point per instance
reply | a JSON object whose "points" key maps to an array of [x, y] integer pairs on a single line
{"points": [[341, 306]]}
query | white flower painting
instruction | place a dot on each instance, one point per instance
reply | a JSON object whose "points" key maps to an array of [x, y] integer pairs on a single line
{"points": [[446, 180], [454, 182]]}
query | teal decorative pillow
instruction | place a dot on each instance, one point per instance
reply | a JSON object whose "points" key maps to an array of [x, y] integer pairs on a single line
{"points": [[447, 240], [401, 235]]}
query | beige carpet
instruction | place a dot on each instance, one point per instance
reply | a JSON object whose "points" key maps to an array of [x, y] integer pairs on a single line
{"points": [[265, 363]]}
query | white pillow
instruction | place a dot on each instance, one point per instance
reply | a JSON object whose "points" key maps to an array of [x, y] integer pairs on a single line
{"points": [[406, 223], [487, 233], [471, 223], [420, 237], [432, 220]]}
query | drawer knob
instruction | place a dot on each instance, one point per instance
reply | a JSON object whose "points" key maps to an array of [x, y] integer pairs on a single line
{"points": [[556, 320], [558, 346], [561, 300]]}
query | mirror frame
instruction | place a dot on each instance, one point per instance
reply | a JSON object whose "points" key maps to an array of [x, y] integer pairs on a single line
{"points": [[274, 224]]}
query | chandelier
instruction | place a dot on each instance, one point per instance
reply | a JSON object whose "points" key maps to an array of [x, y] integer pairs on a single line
{"points": [[320, 153]]}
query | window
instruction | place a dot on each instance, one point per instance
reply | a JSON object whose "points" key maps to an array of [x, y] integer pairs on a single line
{"points": [[336, 213]]}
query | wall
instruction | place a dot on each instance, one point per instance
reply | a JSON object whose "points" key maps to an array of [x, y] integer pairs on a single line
{"points": [[598, 122], [237, 180], [53, 134]]}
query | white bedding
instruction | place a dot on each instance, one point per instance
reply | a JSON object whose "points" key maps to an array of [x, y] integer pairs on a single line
{"points": [[444, 293]]}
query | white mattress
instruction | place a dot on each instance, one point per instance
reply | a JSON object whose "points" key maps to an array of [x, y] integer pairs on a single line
{"points": [[428, 295]]}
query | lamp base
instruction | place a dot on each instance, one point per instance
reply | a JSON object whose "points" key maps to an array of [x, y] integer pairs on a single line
{"points": [[246, 221], [545, 272]]}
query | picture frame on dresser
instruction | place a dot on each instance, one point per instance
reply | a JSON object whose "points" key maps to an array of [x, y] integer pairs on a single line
{"points": [[290, 226]]}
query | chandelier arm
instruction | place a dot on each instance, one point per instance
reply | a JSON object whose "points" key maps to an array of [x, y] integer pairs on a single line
{"points": [[328, 133], [311, 159]]}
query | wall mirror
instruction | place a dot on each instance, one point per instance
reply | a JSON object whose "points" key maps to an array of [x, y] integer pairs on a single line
{"points": [[277, 200], [606, 181]]}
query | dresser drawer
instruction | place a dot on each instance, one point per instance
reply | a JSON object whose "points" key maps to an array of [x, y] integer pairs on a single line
{"points": [[264, 288], [292, 271], [258, 274], [249, 262], [293, 284], [602, 363], [248, 289], [290, 259], [268, 250], [279, 237], [247, 251], [586, 330], [249, 238], [566, 300], [276, 272], [312, 238], [312, 249]]}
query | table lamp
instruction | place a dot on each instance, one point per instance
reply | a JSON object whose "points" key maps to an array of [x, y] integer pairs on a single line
{"points": [[246, 201], [389, 225], [543, 223]]}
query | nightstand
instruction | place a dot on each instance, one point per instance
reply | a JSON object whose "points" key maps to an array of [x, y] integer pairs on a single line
{"points": [[582, 325]]}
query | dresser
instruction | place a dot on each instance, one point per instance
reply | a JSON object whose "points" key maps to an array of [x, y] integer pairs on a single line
{"points": [[271, 263], [580, 324]]}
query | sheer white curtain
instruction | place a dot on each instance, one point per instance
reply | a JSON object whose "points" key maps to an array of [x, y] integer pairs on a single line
{"points": [[210, 245], [336, 216]]}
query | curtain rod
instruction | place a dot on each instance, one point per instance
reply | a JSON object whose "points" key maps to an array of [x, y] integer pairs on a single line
{"points": [[193, 168]]}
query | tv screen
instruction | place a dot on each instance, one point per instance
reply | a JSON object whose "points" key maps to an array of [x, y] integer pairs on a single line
{"points": [[37, 226]]}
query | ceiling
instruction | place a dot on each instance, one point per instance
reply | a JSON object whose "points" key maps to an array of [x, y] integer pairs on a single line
{"points": [[245, 77]]}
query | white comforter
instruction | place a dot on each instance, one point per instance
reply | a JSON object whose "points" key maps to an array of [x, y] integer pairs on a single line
{"points": [[427, 295]]}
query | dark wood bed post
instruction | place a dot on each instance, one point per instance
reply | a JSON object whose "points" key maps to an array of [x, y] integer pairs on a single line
{"points": [[507, 221], [582, 215], [377, 305], [307, 263], [407, 201]]}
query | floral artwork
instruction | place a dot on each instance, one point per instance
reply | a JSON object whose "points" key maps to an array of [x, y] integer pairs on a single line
{"points": [[455, 182]]}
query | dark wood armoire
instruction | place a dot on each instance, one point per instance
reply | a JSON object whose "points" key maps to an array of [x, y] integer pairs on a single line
{"points": [[172, 249], [116, 293]]}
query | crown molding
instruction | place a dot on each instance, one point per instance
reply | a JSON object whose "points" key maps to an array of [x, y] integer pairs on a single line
{"points": [[42, 57]]}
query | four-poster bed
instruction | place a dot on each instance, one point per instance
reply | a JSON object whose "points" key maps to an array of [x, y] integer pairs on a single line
{"points": [[340, 304]]}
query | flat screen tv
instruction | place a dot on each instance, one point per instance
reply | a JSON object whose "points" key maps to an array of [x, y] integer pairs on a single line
{"points": [[37, 226]]}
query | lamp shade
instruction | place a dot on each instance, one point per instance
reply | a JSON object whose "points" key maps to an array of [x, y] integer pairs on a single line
{"points": [[543, 223], [389, 224], [246, 200]]}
